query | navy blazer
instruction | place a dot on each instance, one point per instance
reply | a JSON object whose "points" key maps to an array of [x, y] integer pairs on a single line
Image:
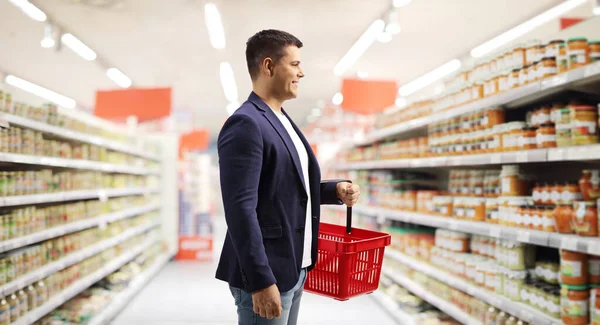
{"points": [[265, 199]]}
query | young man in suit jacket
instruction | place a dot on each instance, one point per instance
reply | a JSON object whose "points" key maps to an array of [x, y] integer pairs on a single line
{"points": [[272, 189]]}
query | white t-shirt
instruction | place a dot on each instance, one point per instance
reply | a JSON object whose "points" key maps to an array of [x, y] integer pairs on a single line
{"points": [[303, 155]]}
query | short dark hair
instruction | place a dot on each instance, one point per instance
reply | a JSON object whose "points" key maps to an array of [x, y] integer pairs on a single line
{"points": [[267, 44]]}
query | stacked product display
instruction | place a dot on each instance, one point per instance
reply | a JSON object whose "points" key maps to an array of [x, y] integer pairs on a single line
{"points": [[491, 189], [78, 201]]}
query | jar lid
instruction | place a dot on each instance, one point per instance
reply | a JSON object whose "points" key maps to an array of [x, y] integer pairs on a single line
{"points": [[584, 108], [557, 41], [594, 42], [573, 287], [547, 125], [575, 39], [550, 58], [595, 286], [529, 128], [561, 45], [516, 70]]}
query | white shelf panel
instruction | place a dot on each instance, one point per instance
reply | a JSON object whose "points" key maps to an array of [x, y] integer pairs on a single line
{"points": [[11, 244], [521, 95], [577, 153], [84, 283], [436, 301], [73, 163], [135, 286], [73, 196], [517, 309], [590, 245], [76, 136], [391, 307], [71, 259]]}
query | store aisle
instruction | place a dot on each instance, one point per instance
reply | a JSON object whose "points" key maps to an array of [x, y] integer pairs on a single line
{"points": [[188, 294]]}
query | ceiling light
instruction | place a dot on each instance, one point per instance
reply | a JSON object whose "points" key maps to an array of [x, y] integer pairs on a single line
{"points": [[337, 99], [359, 47], [393, 28], [47, 43], [216, 34], [384, 37], [78, 47], [401, 102], [48, 40], [228, 82], [597, 8], [401, 3], [524, 28], [232, 107], [30, 10], [42, 92], [430, 77], [118, 77], [362, 74]]}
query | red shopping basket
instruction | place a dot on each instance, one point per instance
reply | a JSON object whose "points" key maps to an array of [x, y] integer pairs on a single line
{"points": [[348, 261]]}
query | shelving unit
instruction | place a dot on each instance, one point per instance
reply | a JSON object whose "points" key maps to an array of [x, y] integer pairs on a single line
{"points": [[590, 245], [73, 163], [75, 226], [391, 307], [525, 312], [86, 282], [122, 299], [511, 98], [75, 136], [71, 259], [434, 300], [73, 196]]}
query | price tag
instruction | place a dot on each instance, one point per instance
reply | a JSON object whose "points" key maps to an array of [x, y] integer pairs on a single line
{"points": [[592, 69], [527, 316], [381, 218], [495, 232], [452, 225], [496, 159], [557, 154], [593, 247], [102, 196], [522, 157], [102, 225], [568, 243], [523, 236]]}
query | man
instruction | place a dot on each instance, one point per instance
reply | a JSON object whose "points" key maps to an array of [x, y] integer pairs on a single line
{"points": [[271, 187]]}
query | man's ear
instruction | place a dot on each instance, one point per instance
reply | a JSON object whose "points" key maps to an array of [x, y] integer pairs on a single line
{"points": [[268, 66]]}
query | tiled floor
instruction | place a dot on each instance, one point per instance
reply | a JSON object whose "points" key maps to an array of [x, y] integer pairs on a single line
{"points": [[188, 294]]}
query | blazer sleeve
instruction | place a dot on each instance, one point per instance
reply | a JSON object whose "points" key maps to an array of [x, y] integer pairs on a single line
{"points": [[240, 149], [328, 193]]}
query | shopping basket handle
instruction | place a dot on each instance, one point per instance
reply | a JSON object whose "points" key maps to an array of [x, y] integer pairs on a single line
{"points": [[348, 220]]}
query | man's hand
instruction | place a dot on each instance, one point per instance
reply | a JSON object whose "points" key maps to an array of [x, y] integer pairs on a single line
{"points": [[348, 193], [267, 302]]}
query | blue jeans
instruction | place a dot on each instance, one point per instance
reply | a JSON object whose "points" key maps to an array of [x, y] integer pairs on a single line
{"points": [[290, 301]]}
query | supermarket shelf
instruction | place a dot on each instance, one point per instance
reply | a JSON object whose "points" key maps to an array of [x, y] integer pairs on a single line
{"points": [[391, 307], [517, 309], [73, 196], [82, 284], [436, 301], [72, 259], [72, 163], [74, 135], [74, 227], [590, 152], [590, 245], [519, 96], [122, 299]]}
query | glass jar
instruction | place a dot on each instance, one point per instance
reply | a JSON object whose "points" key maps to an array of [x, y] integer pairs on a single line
{"points": [[573, 268], [546, 136], [552, 49], [562, 63], [594, 49], [513, 79], [563, 128], [577, 51], [575, 305], [594, 269], [584, 125], [589, 185], [548, 221], [527, 139], [563, 216], [585, 218]]}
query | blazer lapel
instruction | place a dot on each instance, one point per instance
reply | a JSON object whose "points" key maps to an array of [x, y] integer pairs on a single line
{"points": [[283, 134]]}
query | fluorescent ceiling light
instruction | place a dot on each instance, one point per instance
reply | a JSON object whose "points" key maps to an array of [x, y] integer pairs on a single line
{"points": [[597, 8], [78, 47], [216, 34], [524, 28], [118, 77], [429, 78], [401, 3], [232, 107], [42, 92], [401, 102], [393, 28], [361, 45], [228, 82], [384, 37], [30, 10], [47, 43], [337, 99]]}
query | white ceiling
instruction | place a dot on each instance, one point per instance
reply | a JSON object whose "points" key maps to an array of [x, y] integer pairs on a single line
{"points": [[165, 43]]}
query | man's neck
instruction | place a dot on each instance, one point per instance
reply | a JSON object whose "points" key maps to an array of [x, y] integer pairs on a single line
{"points": [[271, 101]]}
